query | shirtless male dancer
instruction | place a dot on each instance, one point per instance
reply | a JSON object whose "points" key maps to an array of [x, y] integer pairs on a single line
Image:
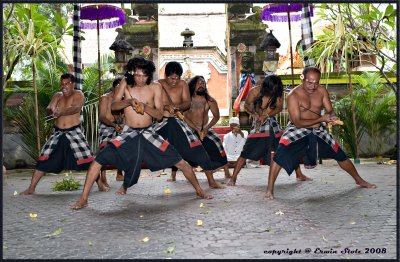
{"points": [[138, 143], [176, 99], [197, 118], [111, 124], [67, 148], [263, 102], [305, 137]]}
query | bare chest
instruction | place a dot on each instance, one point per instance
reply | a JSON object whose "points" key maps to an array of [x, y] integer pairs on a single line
{"points": [[65, 102], [144, 95], [174, 93], [198, 105], [311, 104]]}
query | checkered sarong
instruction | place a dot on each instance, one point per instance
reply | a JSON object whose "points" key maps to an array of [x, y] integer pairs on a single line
{"points": [[213, 136], [264, 128], [306, 33], [106, 133], [148, 133], [292, 134], [77, 140], [190, 135]]}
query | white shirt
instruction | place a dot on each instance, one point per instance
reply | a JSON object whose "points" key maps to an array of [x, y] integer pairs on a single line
{"points": [[233, 145]]}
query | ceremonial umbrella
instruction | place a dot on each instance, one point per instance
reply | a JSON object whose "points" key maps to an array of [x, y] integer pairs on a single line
{"points": [[282, 13], [101, 16]]}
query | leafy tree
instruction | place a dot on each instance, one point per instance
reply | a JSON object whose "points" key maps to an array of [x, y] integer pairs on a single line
{"points": [[372, 27], [29, 34], [49, 17]]}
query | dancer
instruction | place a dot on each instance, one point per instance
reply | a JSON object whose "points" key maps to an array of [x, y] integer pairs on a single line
{"points": [[305, 136], [138, 143], [67, 148]]}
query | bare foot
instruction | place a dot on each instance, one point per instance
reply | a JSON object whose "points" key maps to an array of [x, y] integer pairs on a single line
{"points": [[303, 178], [269, 196], [27, 192], [79, 205], [228, 175], [102, 187], [103, 179], [216, 185], [203, 194], [365, 184], [231, 182], [119, 177], [172, 179], [121, 191]]}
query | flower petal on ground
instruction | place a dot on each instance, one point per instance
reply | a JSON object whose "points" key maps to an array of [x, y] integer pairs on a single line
{"points": [[145, 239], [32, 215], [167, 191], [55, 233], [279, 213], [324, 238], [199, 222], [352, 222], [201, 205]]}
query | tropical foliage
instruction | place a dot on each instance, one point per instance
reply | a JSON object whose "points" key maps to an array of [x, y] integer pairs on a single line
{"points": [[375, 107], [25, 121], [368, 28], [48, 84], [358, 29], [31, 23], [29, 35]]}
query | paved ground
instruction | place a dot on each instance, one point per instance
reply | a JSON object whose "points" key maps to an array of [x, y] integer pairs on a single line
{"points": [[324, 218]]}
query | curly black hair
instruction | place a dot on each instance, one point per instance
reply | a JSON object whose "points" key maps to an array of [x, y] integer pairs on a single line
{"points": [[147, 66]]}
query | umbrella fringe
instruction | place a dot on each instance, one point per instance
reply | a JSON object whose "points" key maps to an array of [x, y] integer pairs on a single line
{"points": [[102, 24]]}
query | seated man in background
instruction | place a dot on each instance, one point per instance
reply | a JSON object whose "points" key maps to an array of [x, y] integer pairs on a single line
{"points": [[233, 144]]}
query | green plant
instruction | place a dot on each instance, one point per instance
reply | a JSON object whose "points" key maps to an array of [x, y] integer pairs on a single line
{"points": [[375, 107], [50, 23], [67, 184], [372, 26], [346, 131], [25, 121]]}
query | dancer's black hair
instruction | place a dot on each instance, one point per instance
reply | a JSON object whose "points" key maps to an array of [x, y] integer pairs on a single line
{"points": [[147, 66], [273, 88]]}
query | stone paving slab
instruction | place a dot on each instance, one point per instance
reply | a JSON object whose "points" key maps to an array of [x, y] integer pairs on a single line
{"points": [[328, 218]]}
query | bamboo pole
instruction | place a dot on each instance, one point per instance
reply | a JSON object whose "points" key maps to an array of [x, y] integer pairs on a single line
{"points": [[290, 47], [36, 104], [98, 53]]}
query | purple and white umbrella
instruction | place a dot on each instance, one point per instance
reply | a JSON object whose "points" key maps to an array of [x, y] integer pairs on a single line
{"points": [[288, 12], [101, 16]]}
